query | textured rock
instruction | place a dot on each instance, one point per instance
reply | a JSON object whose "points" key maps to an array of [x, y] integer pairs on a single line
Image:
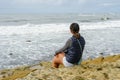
{"points": [[102, 68]]}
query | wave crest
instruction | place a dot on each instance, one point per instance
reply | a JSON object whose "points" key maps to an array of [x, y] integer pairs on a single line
{"points": [[54, 28]]}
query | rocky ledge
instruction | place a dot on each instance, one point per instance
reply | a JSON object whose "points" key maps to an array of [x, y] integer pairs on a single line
{"points": [[101, 68]]}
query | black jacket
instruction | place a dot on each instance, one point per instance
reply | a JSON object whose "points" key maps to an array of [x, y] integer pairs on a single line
{"points": [[73, 52]]}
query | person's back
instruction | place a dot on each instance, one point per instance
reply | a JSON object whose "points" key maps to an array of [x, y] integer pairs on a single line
{"points": [[75, 51], [71, 53]]}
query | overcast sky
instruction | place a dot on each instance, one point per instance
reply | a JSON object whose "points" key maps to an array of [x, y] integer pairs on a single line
{"points": [[59, 6]]}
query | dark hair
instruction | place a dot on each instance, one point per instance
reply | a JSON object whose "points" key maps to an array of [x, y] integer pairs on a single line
{"points": [[74, 27]]}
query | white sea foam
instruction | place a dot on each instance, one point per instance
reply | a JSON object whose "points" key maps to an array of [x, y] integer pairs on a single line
{"points": [[101, 25], [50, 28], [32, 29], [35, 42]]}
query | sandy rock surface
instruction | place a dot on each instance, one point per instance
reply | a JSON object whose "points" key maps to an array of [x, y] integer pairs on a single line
{"points": [[102, 68]]}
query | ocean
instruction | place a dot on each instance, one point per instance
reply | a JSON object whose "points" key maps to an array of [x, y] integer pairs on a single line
{"points": [[27, 39]]}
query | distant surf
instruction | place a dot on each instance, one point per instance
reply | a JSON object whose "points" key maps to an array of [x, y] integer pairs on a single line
{"points": [[50, 28]]}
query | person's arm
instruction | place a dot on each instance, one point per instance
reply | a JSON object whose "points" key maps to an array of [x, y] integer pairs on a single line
{"points": [[65, 47]]}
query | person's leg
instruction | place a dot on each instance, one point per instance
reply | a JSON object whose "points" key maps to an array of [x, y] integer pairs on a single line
{"points": [[58, 59]]}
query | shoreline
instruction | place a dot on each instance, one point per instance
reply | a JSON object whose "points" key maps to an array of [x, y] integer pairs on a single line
{"points": [[101, 68]]}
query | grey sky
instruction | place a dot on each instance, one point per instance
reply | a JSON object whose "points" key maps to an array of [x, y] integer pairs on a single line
{"points": [[59, 6]]}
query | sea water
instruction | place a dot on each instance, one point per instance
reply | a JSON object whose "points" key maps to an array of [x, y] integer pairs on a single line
{"points": [[29, 39]]}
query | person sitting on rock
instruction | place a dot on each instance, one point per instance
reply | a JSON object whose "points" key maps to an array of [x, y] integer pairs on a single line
{"points": [[71, 53]]}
